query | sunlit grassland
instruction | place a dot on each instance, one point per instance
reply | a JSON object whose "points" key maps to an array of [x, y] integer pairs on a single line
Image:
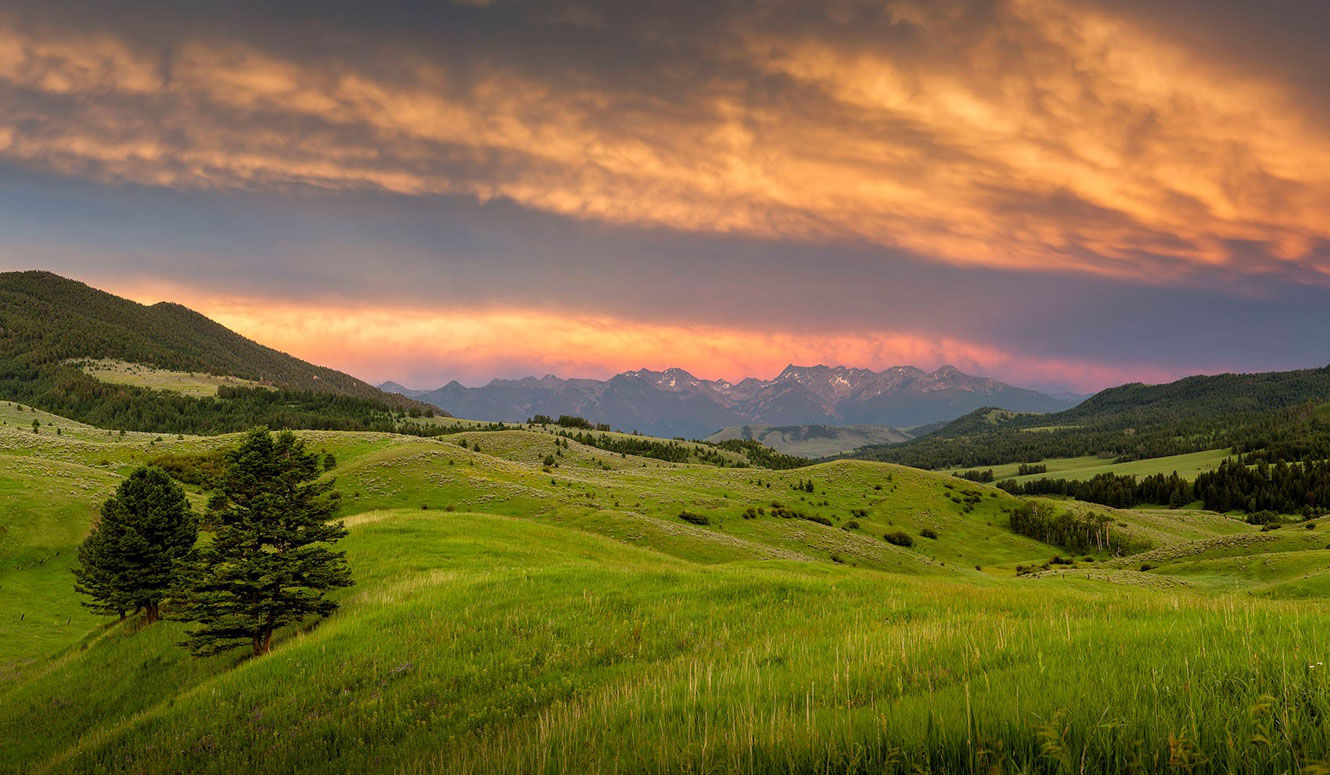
{"points": [[44, 513], [1088, 467], [482, 643], [196, 384], [733, 458], [511, 616]]}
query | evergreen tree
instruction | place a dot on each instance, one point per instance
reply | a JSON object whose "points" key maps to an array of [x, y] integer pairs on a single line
{"points": [[269, 563], [129, 560]]}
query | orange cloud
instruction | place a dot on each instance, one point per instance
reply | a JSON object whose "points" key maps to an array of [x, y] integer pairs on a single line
{"points": [[1057, 138], [380, 343]]}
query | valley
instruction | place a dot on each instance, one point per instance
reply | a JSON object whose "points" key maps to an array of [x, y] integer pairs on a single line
{"points": [[514, 614], [554, 596]]}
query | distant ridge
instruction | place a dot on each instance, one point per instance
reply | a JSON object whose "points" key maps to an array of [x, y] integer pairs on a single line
{"points": [[1286, 409], [676, 403], [813, 441], [47, 320]]}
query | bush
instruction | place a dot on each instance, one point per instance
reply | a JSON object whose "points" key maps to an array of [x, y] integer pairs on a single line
{"points": [[696, 519], [928, 532], [819, 519], [899, 539], [851, 525], [1145, 566]]}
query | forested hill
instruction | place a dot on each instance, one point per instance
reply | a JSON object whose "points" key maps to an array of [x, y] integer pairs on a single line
{"points": [[1134, 421], [47, 320]]}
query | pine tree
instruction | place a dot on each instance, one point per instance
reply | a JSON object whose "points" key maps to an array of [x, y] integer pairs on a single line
{"points": [[128, 562], [269, 563]]}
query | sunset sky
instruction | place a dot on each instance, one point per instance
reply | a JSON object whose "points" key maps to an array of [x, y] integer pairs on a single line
{"points": [[1063, 194]]}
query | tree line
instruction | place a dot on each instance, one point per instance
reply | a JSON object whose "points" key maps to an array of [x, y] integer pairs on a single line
{"points": [[1284, 488], [1119, 491], [1076, 532], [270, 562]]}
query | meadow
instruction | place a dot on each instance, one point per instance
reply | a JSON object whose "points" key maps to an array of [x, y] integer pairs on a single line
{"points": [[513, 615], [197, 385], [1087, 467]]}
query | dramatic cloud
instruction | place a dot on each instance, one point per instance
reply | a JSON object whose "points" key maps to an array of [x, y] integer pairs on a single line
{"points": [[407, 344], [1061, 192], [1031, 134]]}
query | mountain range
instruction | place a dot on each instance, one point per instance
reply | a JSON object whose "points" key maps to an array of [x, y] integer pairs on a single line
{"points": [[676, 403]]}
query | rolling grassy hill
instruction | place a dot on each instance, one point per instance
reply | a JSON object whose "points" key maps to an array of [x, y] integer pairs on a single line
{"points": [[514, 616]]}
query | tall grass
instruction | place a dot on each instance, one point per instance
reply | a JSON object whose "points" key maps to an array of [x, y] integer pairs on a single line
{"points": [[486, 644]]}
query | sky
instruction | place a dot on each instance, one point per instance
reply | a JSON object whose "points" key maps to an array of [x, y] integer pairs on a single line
{"points": [[1062, 194]]}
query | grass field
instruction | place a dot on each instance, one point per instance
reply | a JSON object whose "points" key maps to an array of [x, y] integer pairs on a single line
{"points": [[510, 616], [197, 385], [1186, 466]]}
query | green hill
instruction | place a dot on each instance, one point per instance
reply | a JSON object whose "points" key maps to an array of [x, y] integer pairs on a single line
{"points": [[515, 615], [1136, 422], [50, 326]]}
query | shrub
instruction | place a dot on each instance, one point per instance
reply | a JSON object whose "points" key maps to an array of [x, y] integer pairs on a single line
{"points": [[851, 525], [696, 519], [928, 532], [819, 519], [899, 539], [1145, 566]]}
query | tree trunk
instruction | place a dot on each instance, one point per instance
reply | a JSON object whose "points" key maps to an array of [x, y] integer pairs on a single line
{"points": [[154, 613], [256, 644], [267, 641]]}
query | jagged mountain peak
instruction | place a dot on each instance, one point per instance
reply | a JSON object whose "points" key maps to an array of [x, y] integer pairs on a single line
{"points": [[675, 402]]}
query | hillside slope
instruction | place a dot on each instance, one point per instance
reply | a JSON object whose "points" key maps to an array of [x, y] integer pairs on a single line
{"points": [[47, 323], [1134, 422], [523, 606], [535, 618], [813, 441]]}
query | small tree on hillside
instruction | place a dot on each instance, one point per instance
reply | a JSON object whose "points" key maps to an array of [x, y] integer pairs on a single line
{"points": [[128, 562], [269, 563]]}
